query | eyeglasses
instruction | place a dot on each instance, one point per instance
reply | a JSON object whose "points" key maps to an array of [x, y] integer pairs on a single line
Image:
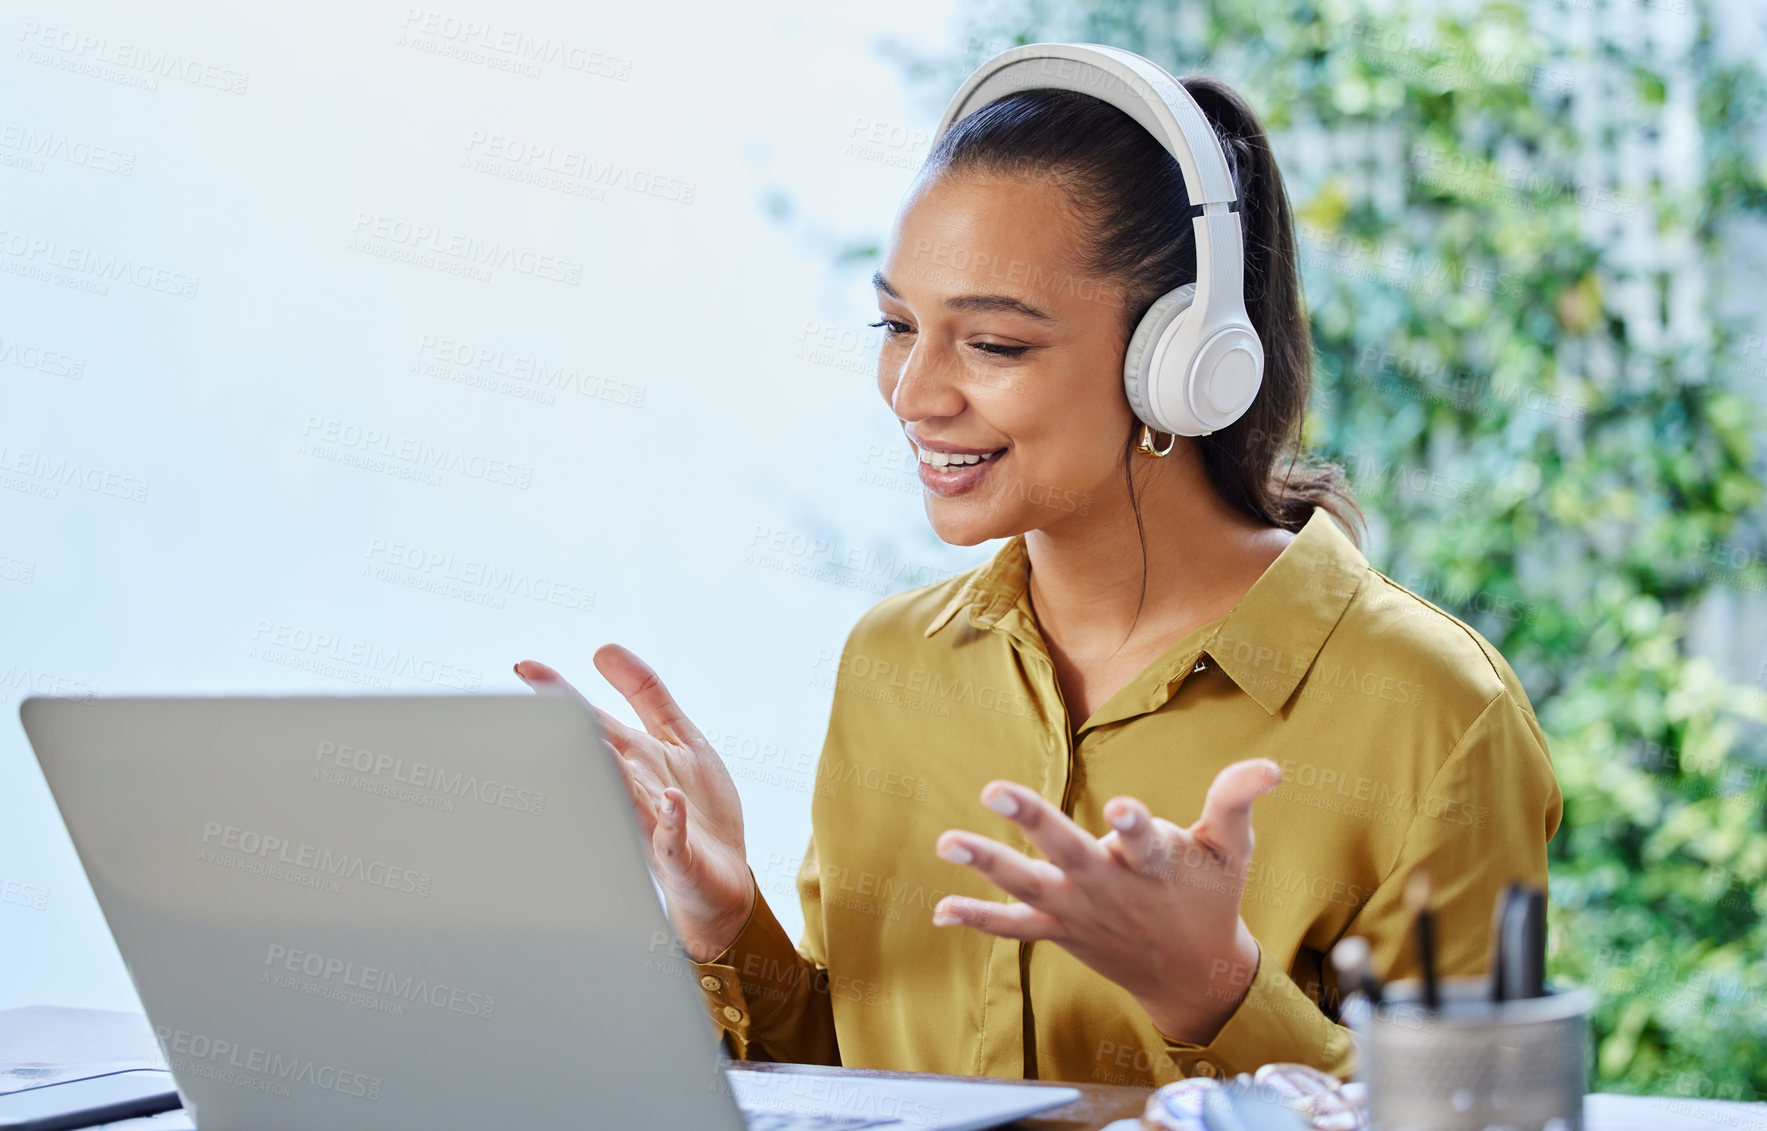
{"points": [[1313, 1101]]}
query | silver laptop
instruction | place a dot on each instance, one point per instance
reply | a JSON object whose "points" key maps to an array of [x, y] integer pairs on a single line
{"points": [[427, 911]]}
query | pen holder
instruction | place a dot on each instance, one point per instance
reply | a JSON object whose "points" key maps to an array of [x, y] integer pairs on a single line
{"points": [[1474, 1063]]}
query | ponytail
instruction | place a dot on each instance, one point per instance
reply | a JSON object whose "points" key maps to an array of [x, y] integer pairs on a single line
{"points": [[1257, 463]]}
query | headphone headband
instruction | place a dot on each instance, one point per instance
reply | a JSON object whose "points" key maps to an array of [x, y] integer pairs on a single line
{"points": [[1137, 86]]}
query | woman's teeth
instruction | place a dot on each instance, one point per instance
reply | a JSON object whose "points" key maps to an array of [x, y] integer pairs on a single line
{"points": [[950, 459]]}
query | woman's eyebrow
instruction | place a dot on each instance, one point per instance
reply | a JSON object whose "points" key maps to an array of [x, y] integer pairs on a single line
{"points": [[1005, 304]]}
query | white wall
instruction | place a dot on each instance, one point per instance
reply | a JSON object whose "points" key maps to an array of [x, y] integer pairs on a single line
{"points": [[177, 507]]}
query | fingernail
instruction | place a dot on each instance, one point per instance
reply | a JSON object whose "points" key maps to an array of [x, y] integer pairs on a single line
{"points": [[944, 918], [957, 854], [669, 806], [1002, 803], [1123, 821]]}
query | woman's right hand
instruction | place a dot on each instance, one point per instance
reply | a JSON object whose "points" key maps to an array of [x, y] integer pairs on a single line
{"points": [[686, 802]]}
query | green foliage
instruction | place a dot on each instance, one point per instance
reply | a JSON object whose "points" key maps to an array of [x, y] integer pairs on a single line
{"points": [[1512, 294]]}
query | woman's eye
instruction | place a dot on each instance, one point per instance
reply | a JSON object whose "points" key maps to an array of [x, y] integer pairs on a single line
{"points": [[895, 329], [1000, 350]]}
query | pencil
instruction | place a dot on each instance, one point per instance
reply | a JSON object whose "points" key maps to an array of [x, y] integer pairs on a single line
{"points": [[1499, 951]]}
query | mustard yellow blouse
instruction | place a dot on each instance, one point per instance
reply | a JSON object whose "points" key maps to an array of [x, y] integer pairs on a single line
{"points": [[1403, 736]]}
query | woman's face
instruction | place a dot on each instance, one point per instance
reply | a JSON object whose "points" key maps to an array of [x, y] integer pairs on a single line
{"points": [[1003, 364]]}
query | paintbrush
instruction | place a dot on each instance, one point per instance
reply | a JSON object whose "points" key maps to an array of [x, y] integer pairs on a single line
{"points": [[1354, 963], [1417, 900]]}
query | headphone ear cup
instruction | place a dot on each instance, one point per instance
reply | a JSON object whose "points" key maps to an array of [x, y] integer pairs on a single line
{"points": [[1138, 358]]}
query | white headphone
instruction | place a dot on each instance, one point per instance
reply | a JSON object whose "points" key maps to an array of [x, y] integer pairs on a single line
{"points": [[1194, 363]]}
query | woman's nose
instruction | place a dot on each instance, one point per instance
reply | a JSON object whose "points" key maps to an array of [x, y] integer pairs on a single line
{"points": [[923, 384]]}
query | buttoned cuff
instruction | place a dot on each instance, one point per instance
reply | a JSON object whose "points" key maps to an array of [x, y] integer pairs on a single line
{"points": [[766, 956], [1275, 1023]]}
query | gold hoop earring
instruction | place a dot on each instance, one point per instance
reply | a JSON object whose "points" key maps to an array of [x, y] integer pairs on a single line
{"points": [[1145, 445]]}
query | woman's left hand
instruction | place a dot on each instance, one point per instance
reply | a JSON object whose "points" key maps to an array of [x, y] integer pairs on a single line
{"points": [[1151, 906]]}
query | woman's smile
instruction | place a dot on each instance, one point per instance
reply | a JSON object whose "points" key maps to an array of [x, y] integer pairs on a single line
{"points": [[947, 469]]}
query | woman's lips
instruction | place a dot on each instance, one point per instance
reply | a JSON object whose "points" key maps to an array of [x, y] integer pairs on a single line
{"points": [[950, 481]]}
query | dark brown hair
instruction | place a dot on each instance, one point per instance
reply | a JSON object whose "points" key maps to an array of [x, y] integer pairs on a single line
{"points": [[1128, 194]]}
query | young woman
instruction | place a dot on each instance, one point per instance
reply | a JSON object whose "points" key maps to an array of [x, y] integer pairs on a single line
{"points": [[998, 880]]}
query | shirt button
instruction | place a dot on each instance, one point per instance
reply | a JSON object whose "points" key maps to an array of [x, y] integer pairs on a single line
{"points": [[732, 1014], [1204, 1068], [711, 983]]}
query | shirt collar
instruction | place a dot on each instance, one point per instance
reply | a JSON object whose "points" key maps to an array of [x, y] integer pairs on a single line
{"points": [[1270, 639], [990, 590], [1265, 645]]}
